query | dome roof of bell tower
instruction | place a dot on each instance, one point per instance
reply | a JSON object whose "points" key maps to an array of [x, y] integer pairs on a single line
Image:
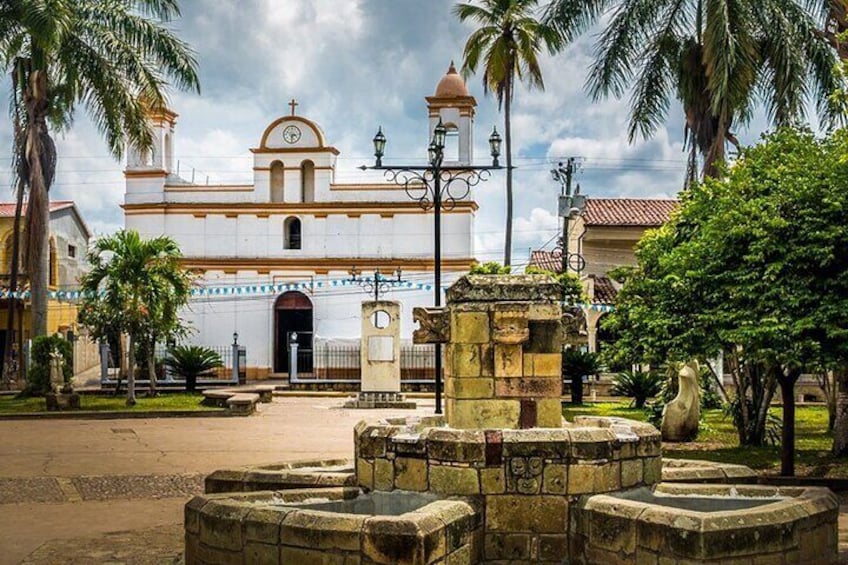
{"points": [[451, 85]]}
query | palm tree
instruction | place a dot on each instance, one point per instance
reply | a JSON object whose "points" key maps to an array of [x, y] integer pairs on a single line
{"points": [[136, 286], [508, 41], [114, 58], [192, 361], [718, 57]]}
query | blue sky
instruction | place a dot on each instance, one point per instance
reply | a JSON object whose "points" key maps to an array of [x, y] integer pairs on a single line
{"points": [[357, 64]]}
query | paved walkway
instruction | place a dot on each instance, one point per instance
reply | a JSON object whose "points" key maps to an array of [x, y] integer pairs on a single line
{"points": [[112, 491], [81, 479]]}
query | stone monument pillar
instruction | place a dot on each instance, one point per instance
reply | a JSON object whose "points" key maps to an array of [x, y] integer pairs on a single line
{"points": [[380, 357], [503, 364]]}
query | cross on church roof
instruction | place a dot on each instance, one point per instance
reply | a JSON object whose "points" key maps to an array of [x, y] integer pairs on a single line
{"points": [[293, 104]]}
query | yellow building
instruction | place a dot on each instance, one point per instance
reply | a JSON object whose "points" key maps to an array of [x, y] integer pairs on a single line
{"points": [[69, 237]]}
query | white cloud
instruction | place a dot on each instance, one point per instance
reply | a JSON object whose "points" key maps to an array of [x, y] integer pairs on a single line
{"points": [[357, 64]]}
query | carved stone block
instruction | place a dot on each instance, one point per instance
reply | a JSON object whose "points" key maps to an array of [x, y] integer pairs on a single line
{"points": [[433, 325]]}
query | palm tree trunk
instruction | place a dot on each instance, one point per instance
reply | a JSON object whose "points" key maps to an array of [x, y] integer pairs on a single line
{"points": [[840, 430], [151, 367], [131, 371], [38, 208], [508, 141]]}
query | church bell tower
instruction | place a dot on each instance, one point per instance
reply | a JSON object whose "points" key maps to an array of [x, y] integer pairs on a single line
{"points": [[456, 108], [147, 172]]}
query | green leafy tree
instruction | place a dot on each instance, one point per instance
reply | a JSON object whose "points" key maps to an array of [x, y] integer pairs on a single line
{"points": [[116, 58], [136, 286], [192, 361], [752, 266], [719, 58], [506, 46]]}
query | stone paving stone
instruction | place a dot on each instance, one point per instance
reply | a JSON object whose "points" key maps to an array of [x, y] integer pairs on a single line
{"points": [[138, 486], [35, 489], [156, 546]]}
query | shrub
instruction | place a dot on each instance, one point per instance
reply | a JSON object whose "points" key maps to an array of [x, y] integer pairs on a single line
{"points": [[38, 377], [490, 268], [772, 431], [638, 385], [572, 288], [191, 361], [710, 398], [577, 364]]}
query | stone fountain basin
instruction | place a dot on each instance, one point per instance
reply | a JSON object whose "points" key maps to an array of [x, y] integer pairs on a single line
{"points": [[330, 525], [293, 475], [591, 455], [699, 471], [708, 524]]}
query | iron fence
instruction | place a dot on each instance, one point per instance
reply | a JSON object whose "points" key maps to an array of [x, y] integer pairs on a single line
{"points": [[220, 375], [342, 362], [224, 372]]}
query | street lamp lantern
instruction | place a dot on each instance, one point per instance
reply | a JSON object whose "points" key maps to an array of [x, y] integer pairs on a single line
{"points": [[439, 135], [379, 145], [495, 146], [235, 338], [437, 187], [432, 153]]}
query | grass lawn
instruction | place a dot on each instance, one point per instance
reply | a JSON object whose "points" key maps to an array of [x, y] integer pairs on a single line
{"points": [[91, 403], [718, 441]]}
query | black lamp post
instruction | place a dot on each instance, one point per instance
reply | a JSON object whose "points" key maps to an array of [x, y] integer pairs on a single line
{"points": [[437, 187]]}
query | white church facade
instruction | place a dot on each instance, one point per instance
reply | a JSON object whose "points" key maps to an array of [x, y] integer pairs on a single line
{"points": [[273, 257]]}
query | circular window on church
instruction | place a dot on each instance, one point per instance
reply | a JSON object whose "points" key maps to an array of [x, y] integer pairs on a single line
{"points": [[380, 319]]}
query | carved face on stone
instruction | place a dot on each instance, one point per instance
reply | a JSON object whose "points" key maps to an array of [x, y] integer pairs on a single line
{"points": [[525, 472]]}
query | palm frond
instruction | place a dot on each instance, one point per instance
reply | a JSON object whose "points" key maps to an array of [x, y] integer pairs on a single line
{"points": [[572, 18], [618, 47]]}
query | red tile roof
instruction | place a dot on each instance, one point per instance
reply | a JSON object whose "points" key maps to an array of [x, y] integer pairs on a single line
{"points": [[605, 291], [7, 209], [546, 260], [628, 211]]}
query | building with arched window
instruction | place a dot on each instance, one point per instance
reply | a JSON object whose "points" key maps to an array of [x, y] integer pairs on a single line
{"points": [[68, 243], [297, 229]]}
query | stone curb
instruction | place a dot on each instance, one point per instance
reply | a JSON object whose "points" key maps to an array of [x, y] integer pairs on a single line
{"points": [[115, 415]]}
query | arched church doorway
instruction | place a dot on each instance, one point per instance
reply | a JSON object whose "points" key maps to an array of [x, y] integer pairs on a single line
{"points": [[292, 315]]}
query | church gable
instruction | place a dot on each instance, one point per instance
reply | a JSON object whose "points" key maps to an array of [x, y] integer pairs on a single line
{"points": [[292, 133]]}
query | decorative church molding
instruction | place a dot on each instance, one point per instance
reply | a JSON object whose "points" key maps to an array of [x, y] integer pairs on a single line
{"points": [[308, 208]]}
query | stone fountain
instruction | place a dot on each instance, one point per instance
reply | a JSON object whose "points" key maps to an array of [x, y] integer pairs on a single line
{"points": [[502, 478]]}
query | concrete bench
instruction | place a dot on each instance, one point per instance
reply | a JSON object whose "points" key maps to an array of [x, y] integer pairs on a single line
{"points": [[242, 403], [265, 392], [217, 397]]}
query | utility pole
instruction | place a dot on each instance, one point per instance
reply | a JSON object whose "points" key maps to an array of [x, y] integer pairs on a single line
{"points": [[563, 174]]}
